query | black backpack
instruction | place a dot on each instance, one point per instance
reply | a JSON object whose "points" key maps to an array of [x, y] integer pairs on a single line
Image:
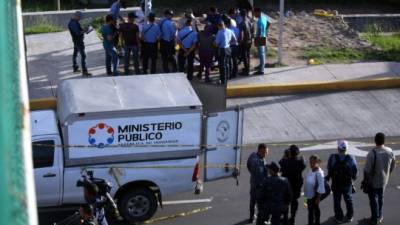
{"points": [[341, 171]]}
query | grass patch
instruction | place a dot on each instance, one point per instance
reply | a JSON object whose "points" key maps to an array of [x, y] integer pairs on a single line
{"points": [[385, 42], [272, 53], [388, 45], [42, 27], [386, 48], [333, 55]]}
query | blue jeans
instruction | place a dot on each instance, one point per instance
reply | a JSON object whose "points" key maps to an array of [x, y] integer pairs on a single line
{"points": [[376, 203], [111, 57], [261, 56], [135, 53], [348, 199]]}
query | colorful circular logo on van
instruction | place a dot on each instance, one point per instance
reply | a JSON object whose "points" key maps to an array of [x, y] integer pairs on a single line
{"points": [[101, 135]]}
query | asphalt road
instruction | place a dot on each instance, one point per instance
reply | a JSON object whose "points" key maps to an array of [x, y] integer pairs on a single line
{"points": [[230, 203]]}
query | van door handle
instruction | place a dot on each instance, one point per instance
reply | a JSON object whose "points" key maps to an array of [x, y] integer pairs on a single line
{"points": [[49, 175]]}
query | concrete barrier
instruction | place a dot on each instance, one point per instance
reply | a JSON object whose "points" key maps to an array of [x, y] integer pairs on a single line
{"points": [[385, 22], [253, 90], [61, 18]]}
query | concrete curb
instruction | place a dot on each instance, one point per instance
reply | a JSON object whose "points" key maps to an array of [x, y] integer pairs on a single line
{"points": [[254, 90], [43, 104]]}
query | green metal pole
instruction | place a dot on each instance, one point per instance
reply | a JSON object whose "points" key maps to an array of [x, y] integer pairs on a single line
{"points": [[17, 200]]}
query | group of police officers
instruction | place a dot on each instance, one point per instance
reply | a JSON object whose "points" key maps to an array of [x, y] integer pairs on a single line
{"points": [[270, 192], [232, 35]]}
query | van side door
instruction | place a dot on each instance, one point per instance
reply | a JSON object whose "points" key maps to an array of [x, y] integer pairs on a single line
{"points": [[47, 161], [223, 140]]}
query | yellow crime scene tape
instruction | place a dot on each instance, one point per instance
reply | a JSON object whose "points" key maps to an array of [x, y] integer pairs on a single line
{"points": [[174, 216], [249, 145], [211, 166]]}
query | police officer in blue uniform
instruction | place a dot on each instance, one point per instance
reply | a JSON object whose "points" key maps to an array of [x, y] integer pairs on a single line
{"points": [[187, 40], [150, 36], [258, 173], [167, 41], [77, 34], [223, 40], [274, 197]]}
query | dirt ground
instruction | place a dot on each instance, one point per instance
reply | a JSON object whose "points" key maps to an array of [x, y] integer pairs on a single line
{"points": [[304, 30]]}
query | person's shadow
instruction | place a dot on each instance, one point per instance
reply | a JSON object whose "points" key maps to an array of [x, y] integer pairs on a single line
{"points": [[242, 222], [331, 221]]}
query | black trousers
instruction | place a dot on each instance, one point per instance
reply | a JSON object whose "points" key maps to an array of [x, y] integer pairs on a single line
{"points": [[265, 213], [149, 52], [252, 204], [224, 58], [79, 47], [245, 56], [314, 213], [167, 50], [234, 61], [188, 60], [294, 205]]}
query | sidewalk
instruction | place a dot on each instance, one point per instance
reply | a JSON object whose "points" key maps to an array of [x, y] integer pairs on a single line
{"points": [[324, 73]]}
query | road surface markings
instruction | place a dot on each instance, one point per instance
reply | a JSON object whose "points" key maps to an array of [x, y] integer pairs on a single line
{"points": [[183, 214], [191, 201]]}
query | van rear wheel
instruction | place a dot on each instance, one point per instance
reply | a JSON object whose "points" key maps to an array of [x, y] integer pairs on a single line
{"points": [[138, 205]]}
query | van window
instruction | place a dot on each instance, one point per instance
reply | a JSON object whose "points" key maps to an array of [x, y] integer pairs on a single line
{"points": [[43, 153]]}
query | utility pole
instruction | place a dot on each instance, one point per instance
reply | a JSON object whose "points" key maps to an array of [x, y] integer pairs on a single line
{"points": [[280, 40], [58, 3]]}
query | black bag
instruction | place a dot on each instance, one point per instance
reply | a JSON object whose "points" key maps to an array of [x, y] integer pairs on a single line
{"points": [[366, 184], [260, 41], [342, 173], [327, 188]]}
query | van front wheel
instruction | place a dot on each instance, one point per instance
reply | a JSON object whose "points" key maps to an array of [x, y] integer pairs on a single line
{"points": [[138, 205]]}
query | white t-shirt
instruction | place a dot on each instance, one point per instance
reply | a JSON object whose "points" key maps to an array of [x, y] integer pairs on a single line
{"points": [[309, 183]]}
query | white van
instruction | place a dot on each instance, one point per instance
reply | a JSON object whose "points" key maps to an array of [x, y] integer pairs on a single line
{"points": [[142, 133]]}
